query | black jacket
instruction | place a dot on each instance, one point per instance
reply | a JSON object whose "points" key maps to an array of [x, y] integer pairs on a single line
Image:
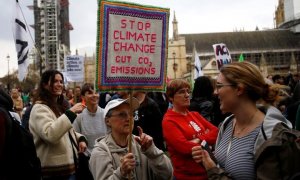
{"points": [[150, 120]]}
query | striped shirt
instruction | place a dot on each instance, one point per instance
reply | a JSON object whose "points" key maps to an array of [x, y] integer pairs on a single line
{"points": [[239, 162]]}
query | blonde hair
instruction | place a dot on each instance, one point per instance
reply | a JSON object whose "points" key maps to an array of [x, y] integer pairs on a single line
{"points": [[250, 76]]}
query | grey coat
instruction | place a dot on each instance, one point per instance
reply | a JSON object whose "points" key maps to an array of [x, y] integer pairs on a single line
{"points": [[150, 164]]}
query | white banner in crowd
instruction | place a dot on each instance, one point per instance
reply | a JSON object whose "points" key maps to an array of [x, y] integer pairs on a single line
{"points": [[222, 55], [74, 68]]}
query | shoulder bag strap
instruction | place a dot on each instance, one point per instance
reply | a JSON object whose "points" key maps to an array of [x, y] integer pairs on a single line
{"points": [[74, 145], [73, 141]]}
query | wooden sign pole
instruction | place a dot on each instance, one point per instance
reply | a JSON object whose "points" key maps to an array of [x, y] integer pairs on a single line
{"points": [[130, 126]]}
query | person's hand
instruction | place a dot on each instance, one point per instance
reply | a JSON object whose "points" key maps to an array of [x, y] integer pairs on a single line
{"points": [[200, 155], [127, 164], [77, 108], [143, 139], [207, 162], [82, 146], [197, 154]]}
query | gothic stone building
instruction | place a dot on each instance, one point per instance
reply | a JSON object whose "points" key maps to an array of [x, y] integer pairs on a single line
{"points": [[275, 51]]}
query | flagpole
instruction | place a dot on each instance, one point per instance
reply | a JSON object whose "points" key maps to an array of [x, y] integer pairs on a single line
{"points": [[8, 80]]}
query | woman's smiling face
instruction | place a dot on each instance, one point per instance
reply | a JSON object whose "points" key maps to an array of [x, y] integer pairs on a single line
{"points": [[57, 87]]}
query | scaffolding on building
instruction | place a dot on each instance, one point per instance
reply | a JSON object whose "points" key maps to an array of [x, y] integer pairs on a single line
{"points": [[52, 37]]}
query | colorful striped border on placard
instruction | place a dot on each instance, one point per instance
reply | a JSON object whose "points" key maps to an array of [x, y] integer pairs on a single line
{"points": [[132, 43]]}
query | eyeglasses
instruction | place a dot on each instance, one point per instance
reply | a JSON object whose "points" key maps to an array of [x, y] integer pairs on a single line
{"points": [[122, 115], [220, 85], [184, 91]]}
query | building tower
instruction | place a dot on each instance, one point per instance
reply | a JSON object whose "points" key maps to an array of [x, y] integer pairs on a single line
{"points": [[291, 15], [175, 28], [52, 35], [279, 13]]}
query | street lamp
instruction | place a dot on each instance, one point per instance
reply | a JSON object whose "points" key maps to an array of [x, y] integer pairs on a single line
{"points": [[8, 84], [174, 64]]}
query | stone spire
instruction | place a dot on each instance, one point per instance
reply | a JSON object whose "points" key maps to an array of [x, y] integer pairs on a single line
{"points": [[175, 28]]}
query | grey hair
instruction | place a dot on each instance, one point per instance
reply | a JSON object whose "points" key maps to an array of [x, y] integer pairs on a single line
{"points": [[109, 113]]}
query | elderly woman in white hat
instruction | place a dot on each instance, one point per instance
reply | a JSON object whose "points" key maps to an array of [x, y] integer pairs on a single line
{"points": [[110, 158]]}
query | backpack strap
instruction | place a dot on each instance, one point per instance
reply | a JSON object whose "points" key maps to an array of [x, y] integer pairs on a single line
{"points": [[263, 131], [225, 123]]}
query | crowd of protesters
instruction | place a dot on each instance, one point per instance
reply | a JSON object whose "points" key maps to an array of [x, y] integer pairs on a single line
{"points": [[226, 113]]}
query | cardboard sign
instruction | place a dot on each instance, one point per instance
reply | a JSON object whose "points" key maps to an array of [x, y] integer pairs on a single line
{"points": [[222, 55], [74, 68], [131, 47]]}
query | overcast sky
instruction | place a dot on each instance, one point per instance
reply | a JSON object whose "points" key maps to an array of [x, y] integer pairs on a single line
{"points": [[193, 16]]}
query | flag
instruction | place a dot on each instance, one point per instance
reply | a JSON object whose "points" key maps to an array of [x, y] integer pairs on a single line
{"points": [[241, 59], [198, 68], [21, 41]]}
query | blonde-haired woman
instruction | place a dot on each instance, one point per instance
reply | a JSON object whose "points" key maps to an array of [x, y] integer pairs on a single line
{"points": [[240, 86]]}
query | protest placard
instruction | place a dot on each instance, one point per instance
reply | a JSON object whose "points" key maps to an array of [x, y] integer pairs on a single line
{"points": [[222, 55], [131, 46], [74, 68]]}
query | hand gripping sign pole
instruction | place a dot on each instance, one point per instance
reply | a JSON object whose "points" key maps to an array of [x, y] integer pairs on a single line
{"points": [[132, 48], [130, 123]]}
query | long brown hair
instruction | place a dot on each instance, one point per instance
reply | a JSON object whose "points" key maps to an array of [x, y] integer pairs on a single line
{"points": [[44, 96]]}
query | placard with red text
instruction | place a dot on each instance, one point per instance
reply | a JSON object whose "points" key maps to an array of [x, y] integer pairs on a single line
{"points": [[132, 47], [222, 55]]}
